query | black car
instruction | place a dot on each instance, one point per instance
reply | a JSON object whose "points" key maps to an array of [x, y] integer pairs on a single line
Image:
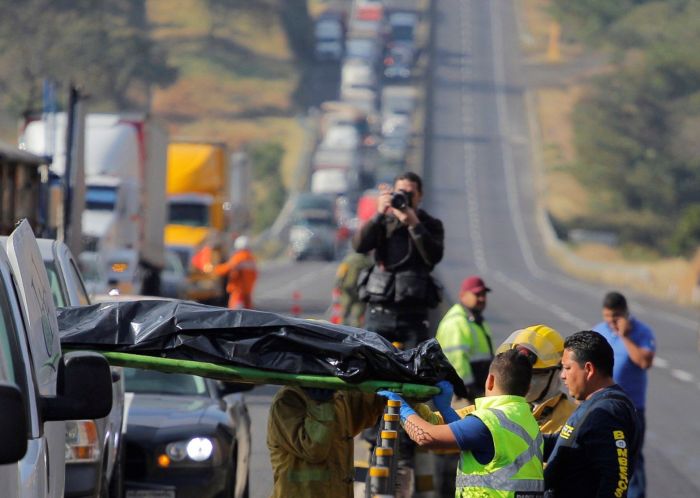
{"points": [[186, 436]]}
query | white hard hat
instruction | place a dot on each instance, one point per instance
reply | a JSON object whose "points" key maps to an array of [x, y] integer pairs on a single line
{"points": [[241, 242]]}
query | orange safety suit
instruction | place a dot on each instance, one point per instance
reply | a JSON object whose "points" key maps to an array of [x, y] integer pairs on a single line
{"points": [[242, 274]]}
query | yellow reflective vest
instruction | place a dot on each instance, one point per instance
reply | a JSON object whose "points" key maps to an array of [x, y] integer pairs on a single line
{"points": [[464, 342], [518, 445], [311, 443]]}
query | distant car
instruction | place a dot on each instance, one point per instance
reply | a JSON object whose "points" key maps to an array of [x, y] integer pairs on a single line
{"points": [[186, 437], [94, 457], [398, 62], [367, 50], [394, 148], [329, 35], [341, 136], [402, 26], [313, 238], [173, 278]]}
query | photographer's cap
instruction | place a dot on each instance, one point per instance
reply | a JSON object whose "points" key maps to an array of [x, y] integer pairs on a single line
{"points": [[474, 284]]}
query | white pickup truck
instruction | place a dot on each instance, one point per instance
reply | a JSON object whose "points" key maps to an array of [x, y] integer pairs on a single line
{"points": [[40, 386]]}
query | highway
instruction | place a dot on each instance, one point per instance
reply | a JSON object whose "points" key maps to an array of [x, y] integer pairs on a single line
{"points": [[480, 183]]}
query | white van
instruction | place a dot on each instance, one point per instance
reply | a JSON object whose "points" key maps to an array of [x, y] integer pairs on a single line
{"points": [[52, 387]]}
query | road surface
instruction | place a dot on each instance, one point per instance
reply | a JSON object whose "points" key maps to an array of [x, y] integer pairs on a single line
{"points": [[480, 185]]}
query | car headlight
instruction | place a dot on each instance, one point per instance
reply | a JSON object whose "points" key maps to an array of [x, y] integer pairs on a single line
{"points": [[82, 443], [197, 449]]}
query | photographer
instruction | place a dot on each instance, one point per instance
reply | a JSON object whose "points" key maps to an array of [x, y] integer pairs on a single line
{"points": [[408, 243]]}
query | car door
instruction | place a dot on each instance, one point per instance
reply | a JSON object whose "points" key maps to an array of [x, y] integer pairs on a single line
{"points": [[12, 371], [47, 446]]}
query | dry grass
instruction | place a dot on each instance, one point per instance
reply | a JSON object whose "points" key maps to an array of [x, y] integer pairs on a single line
{"points": [[536, 26], [566, 198]]}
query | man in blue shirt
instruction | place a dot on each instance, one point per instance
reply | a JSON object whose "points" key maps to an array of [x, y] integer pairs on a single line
{"points": [[634, 345]]}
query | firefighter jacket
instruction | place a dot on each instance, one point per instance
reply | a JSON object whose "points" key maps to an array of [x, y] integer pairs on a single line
{"points": [[242, 273], [311, 443], [467, 345], [516, 467]]}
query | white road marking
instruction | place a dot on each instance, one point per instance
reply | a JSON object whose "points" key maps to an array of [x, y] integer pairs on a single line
{"points": [[660, 362], [682, 375]]}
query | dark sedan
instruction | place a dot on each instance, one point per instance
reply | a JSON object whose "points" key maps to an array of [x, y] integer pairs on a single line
{"points": [[186, 436]]}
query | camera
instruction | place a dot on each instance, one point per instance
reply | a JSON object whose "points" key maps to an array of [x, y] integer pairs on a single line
{"points": [[401, 199]]}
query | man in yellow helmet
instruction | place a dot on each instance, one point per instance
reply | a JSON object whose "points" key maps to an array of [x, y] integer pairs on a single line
{"points": [[550, 406]]}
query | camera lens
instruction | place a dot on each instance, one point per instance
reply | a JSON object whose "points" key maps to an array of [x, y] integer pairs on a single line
{"points": [[399, 200]]}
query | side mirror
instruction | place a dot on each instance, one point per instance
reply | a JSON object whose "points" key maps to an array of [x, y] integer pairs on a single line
{"points": [[84, 389], [13, 424]]}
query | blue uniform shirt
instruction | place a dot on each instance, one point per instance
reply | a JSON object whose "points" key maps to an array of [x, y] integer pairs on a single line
{"points": [[629, 376], [473, 435], [596, 449]]}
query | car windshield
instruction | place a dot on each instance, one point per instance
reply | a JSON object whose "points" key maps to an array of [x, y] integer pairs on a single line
{"points": [[100, 198], [190, 214], [154, 382]]}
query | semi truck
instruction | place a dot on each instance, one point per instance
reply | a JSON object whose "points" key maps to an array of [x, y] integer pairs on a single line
{"points": [[199, 228], [124, 214]]}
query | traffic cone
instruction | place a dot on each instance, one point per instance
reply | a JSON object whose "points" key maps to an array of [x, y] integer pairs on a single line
{"points": [[296, 304], [336, 308]]}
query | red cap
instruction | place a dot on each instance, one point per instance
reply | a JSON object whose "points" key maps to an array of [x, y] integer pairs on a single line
{"points": [[474, 285]]}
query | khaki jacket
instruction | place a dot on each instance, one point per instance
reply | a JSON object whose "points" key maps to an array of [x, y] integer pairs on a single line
{"points": [[311, 444]]}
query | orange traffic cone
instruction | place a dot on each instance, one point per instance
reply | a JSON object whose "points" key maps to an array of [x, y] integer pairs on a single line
{"points": [[296, 305], [336, 308]]}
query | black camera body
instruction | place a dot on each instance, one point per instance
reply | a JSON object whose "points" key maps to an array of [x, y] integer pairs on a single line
{"points": [[401, 199]]}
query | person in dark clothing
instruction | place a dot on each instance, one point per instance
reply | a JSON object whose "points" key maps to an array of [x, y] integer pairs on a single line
{"points": [[597, 448], [399, 289], [408, 243]]}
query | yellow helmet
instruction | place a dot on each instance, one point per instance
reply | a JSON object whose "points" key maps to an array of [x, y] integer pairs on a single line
{"points": [[545, 342]]}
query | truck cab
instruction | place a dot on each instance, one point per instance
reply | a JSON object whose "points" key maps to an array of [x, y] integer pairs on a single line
{"points": [[53, 386]]}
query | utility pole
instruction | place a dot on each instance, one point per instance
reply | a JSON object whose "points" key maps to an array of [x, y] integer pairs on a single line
{"points": [[74, 176]]}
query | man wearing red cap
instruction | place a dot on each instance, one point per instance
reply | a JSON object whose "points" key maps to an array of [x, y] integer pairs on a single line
{"points": [[465, 337]]}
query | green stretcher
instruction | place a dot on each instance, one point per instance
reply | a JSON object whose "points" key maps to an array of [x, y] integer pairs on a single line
{"points": [[257, 376]]}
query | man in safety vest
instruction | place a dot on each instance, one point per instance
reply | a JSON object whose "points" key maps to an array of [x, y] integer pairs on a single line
{"points": [[242, 273], [500, 442], [310, 437], [550, 405], [465, 337]]}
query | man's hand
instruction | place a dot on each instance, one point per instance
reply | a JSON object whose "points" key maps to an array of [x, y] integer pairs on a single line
{"points": [[624, 326], [443, 402], [444, 399], [384, 200], [405, 411], [407, 216]]}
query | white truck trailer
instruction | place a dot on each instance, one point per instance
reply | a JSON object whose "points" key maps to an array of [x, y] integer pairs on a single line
{"points": [[125, 208]]}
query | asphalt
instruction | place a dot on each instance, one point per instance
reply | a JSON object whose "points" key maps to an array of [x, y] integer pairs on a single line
{"points": [[480, 183]]}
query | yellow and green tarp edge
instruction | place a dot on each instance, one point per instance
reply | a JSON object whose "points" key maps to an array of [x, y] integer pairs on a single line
{"points": [[249, 375]]}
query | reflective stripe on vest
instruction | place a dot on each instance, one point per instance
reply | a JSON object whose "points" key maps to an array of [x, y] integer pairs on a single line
{"points": [[502, 479]]}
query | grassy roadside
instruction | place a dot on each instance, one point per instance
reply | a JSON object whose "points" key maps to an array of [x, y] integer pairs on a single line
{"points": [[565, 198], [236, 77]]}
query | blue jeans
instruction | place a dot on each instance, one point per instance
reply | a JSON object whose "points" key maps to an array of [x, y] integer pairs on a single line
{"points": [[638, 483]]}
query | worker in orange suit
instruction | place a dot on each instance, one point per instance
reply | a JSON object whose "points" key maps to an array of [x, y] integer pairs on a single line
{"points": [[242, 274]]}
